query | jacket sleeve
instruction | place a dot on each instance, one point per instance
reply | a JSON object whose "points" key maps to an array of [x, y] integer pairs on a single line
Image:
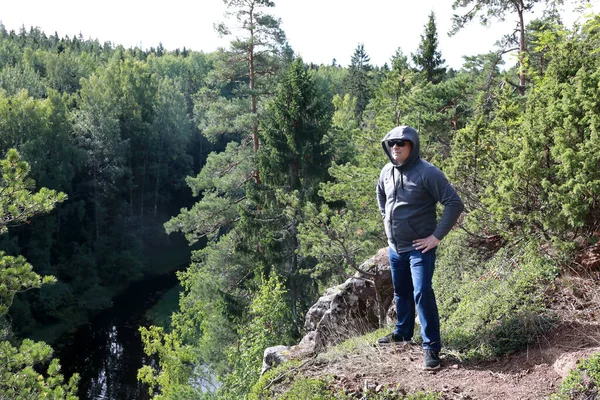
{"points": [[381, 196], [439, 187]]}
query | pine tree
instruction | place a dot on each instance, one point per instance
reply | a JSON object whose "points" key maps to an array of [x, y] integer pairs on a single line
{"points": [[487, 10], [20, 366], [258, 46]]}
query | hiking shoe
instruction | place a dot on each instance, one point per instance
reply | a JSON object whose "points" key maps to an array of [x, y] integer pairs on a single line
{"points": [[392, 338], [431, 359]]}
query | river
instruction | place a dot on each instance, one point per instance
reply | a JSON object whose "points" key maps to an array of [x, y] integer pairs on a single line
{"points": [[107, 352]]}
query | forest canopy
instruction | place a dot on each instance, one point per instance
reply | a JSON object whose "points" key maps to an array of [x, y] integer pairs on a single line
{"points": [[270, 164]]}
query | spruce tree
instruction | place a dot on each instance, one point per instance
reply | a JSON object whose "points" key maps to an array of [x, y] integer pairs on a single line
{"points": [[358, 81], [428, 56], [294, 125]]}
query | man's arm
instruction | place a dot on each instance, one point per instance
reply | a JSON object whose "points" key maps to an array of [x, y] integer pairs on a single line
{"points": [[439, 187], [381, 197], [441, 190]]}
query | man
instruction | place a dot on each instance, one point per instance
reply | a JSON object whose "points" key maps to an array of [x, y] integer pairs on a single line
{"points": [[407, 193]]}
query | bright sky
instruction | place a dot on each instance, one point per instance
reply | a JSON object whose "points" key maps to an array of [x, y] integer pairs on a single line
{"points": [[318, 30]]}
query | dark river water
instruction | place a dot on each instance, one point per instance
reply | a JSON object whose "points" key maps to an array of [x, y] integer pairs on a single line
{"points": [[107, 352]]}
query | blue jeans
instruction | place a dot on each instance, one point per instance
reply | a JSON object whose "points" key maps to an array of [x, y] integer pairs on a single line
{"points": [[412, 272]]}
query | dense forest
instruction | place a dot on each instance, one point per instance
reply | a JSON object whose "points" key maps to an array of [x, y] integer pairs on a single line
{"points": [[108, 153]]}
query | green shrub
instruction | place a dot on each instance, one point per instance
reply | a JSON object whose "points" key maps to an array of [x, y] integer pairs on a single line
{"points": [[260, 390], [309, 388], [269, 324], [583, 382], [496, 306]]}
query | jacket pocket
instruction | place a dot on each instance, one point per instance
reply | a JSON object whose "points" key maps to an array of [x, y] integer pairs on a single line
{"points": [[403, 231], [388, 230]]}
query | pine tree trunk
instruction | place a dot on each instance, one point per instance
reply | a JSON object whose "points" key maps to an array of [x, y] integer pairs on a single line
{"points": [[253, 99], [522, 73], [293, 269]]}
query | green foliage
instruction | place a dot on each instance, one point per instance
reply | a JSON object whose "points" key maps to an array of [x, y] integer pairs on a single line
{"points": [[582, 382], [18, 203], [344, 128], [295, 122], [201, 331], [176, 367], [428, 57], [390, 104], [329, 80], [488, 10], [530, 164], [18, 378], [541, 36], [346, 230], [491, 306], [218, 116], [340, 239], [111, 127], [307, 388], [222, 184], [17, 78], [268, 324], [160, 313], [260, 390], [17, 275], [358, 81]]}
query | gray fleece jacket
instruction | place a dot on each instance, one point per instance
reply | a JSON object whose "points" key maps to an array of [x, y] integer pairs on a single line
{"points": [[407, 195]]}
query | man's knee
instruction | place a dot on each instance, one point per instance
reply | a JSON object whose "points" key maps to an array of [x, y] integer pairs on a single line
{"points": [[423, 293]]}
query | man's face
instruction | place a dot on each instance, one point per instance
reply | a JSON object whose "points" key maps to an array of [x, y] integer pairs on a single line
{"points": [[400, 150]]}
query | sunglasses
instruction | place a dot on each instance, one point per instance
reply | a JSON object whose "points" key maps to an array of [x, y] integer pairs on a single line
{"points": [[400, 143]]}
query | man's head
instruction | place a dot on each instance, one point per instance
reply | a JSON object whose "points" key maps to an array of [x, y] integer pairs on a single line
{"points": [[399, 149], [401, 145]]}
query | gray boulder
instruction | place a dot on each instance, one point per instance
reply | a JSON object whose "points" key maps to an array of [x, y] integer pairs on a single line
{"points": [[344, 311]]}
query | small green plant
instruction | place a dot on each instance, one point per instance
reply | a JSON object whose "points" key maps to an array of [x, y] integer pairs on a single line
{"points": [[582, 382], [495, 306], [262, 389], [310, 388]]}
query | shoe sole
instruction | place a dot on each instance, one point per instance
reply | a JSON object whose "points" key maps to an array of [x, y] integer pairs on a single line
{"points": [[426, 368]]}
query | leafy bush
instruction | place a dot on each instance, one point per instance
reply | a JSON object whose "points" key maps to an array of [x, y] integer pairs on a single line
{"points": [[268, 325], [583, 382], [491, 307], [307, 388]]}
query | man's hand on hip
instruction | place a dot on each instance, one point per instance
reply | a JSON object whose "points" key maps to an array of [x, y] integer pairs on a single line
{"points": [[426, 244]]}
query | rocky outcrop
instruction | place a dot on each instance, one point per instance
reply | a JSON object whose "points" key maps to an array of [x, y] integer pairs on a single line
{"points": [[344, 311]]}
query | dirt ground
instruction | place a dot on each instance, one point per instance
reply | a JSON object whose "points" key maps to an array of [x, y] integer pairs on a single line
{"points": [[533, 373]]}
